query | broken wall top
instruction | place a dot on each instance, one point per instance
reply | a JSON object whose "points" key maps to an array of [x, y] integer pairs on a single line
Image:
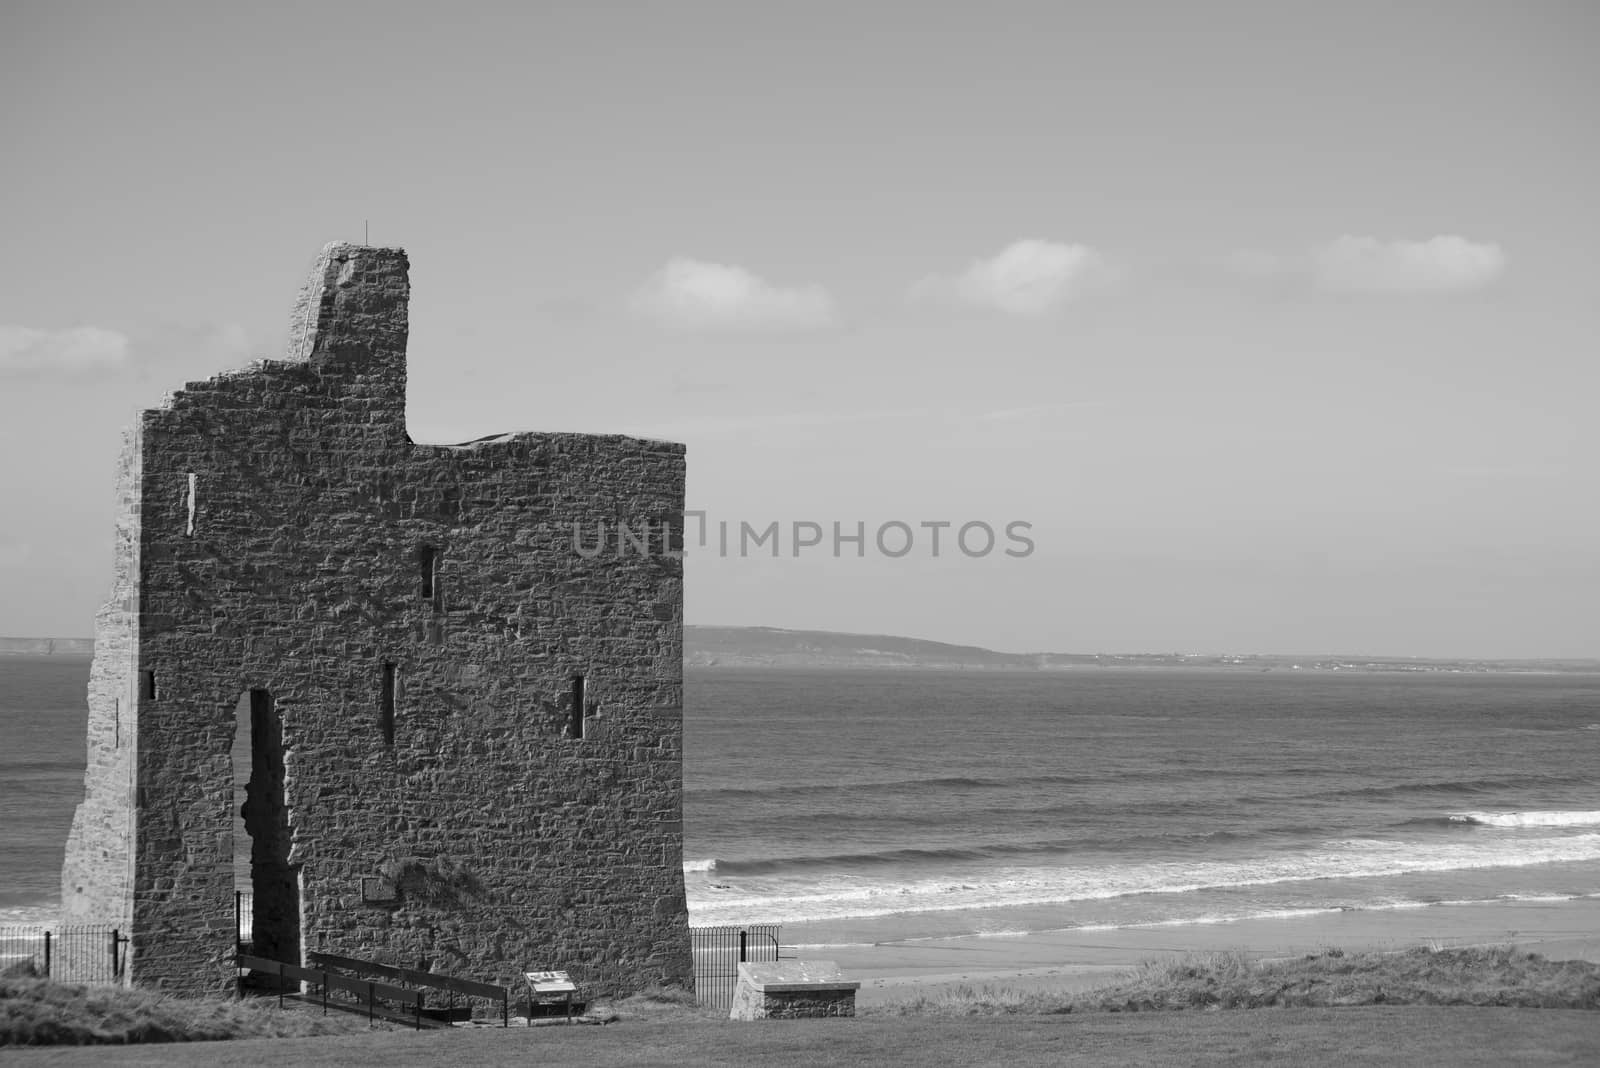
{"points": [[347, 342]]}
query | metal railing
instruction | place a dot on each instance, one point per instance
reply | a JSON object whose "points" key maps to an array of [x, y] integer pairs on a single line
{"points": [[73, 953], [718, 952], [449, 984], [367, 992], [98, 953]]}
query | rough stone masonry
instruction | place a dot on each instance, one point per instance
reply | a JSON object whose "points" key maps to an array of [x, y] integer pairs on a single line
{"points": [[460, 740]]}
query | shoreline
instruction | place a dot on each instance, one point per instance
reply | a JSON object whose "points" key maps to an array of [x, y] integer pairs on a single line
{"points": [[1081, 958]]}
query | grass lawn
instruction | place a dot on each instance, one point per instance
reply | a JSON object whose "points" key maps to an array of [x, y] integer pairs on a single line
{"points": [[1410, 1035], [1421, 1007]]}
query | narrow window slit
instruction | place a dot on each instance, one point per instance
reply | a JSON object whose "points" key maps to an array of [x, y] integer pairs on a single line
{"points": [[575, 728], [428, 567], [147, 685], [188, 530], [386, 705]]}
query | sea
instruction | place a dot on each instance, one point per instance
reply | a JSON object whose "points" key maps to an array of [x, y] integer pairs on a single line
{"points": [[856, 807]]}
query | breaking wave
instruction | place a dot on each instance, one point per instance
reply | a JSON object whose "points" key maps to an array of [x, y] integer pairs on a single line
{"points": [[842, 896], [1528, 819]]}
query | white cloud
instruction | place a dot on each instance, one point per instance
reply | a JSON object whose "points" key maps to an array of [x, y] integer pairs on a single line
{"points": [[695, 295], [1443, 264], [194, 348], [1027, 278], [74, 350]]}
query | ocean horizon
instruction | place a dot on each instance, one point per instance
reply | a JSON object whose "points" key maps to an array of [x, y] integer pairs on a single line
{"points": [[861, 806]]}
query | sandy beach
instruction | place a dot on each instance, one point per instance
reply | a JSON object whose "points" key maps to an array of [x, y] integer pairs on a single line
{"points": [[1085, 957]]}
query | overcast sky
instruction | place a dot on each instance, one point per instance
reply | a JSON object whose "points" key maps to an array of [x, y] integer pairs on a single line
{"points": [[1276, 322]]}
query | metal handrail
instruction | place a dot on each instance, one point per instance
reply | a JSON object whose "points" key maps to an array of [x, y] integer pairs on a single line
{"points": [[433, 980], [329, 981]]}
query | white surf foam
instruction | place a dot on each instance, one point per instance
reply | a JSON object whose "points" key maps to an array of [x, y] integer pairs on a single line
{"points": [[29, 916], [1214, 918], [1529, 819], [829, 945], [791, 901]]}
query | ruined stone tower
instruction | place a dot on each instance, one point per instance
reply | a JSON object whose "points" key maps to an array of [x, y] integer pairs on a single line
{"points": [[460, 737]]}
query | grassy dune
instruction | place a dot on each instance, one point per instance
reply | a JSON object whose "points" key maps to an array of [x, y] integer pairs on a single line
{"points": [[1500, 976], [37, 1012]]}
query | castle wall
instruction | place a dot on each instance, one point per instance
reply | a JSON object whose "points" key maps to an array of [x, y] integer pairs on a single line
{"points": [[414, 616], [97, 874]]}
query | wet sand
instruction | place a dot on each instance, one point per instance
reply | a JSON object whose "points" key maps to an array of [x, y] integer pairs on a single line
{"points": [[1082, 958]]}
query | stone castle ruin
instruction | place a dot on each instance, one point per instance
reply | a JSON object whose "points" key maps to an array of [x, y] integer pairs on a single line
{"points": [[455, 742]]}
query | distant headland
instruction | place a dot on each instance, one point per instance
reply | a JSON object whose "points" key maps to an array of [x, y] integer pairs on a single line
{"points": [[46, 646], [775, 647]]}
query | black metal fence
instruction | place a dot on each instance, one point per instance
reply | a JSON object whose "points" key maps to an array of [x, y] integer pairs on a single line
{"points": [[718, 952], [98, 953], [78, 953]]}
